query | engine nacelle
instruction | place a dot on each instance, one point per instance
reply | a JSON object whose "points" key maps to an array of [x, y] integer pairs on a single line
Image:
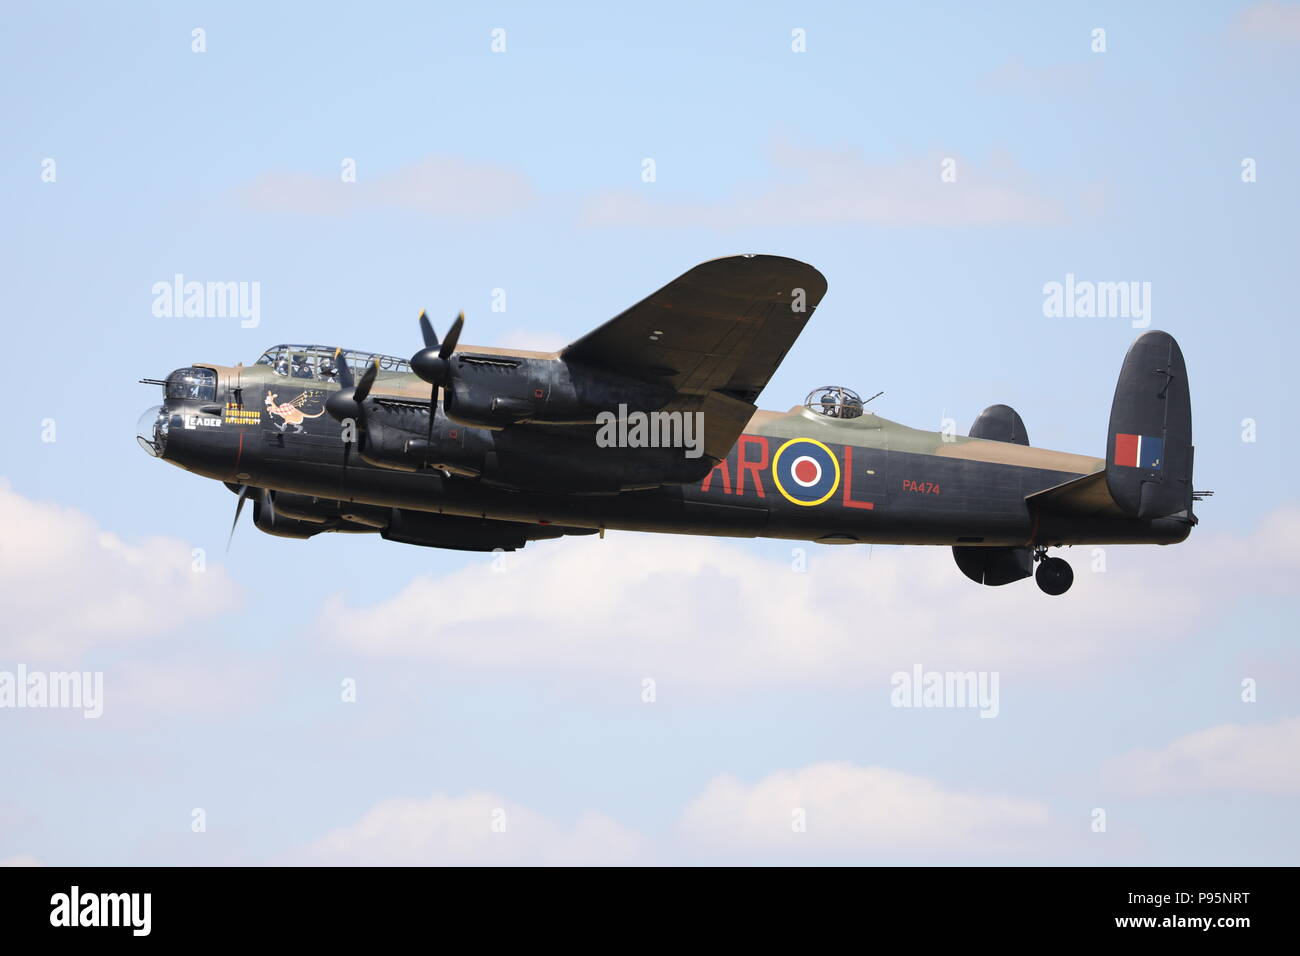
{"points": [[265, 518], [458, 533], [308, 508], [396, 437], [268, 517], [494, 391], [525, 459]]}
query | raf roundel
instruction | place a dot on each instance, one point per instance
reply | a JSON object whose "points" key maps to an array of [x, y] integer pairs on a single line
{"points": [[806, 472]]}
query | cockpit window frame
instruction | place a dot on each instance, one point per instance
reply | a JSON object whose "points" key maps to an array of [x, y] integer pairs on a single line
{"points": [[283, 360]]}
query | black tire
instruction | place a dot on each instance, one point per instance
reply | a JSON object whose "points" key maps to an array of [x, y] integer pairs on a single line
{"points": [[1054, 576]]}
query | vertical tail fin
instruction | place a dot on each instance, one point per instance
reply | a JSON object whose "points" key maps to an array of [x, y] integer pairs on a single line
{"points": [[1000, 423], [1149, 446]]}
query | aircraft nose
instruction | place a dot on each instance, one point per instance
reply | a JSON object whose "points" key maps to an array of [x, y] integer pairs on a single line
{"points": [[151, 430]]}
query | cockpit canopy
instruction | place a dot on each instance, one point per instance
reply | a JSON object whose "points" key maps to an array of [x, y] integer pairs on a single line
{"points": [[319, 362], [834, 401]]}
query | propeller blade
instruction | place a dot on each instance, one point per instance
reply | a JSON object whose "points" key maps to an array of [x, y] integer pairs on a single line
{"points": [[426, 329], [239, 507], [348, 401], [433, 411], [344, 370], [343, 473], [357, 407], [367, 380], [449, 344]]}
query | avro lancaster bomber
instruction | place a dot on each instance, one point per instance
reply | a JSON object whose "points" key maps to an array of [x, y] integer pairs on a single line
{"points": [[649, 423]]}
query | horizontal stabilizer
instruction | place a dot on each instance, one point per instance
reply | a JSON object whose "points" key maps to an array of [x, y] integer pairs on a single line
{"points": [[1088, 496]]}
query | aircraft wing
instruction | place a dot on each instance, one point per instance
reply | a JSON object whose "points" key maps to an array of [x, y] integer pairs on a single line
{"points": [[714, 335]]}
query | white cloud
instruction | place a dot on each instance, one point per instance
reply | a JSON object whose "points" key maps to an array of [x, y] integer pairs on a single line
{"points": [[22, 860], [709, 611], [1270, 22], [810, 186], [67, 586], [847, 808], [193, 683], [442, 186], [1244, 758], [443, 830], [1054, 79], [828, 187]]}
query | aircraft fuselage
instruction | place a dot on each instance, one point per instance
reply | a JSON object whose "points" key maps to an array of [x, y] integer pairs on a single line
{"points": [[794, 475]]}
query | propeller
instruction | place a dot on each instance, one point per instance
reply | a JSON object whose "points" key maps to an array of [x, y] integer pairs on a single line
{"points": [[244, 490], [349, 402], [239, 507], [433, 364]]}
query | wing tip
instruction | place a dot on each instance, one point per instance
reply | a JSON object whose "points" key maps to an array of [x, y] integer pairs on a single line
{"points": [[787, 268]]}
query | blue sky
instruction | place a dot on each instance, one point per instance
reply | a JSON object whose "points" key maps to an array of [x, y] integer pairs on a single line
{"points": [[520, 686]]}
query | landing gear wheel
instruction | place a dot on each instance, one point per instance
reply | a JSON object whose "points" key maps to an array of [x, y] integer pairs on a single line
{"points": [[1054, 575]]}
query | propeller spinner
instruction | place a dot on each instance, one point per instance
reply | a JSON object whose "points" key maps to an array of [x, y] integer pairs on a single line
{"points": [[349, 400]]}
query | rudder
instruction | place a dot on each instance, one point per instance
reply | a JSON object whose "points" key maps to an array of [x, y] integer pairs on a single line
{"points": [[1149, 444]]}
